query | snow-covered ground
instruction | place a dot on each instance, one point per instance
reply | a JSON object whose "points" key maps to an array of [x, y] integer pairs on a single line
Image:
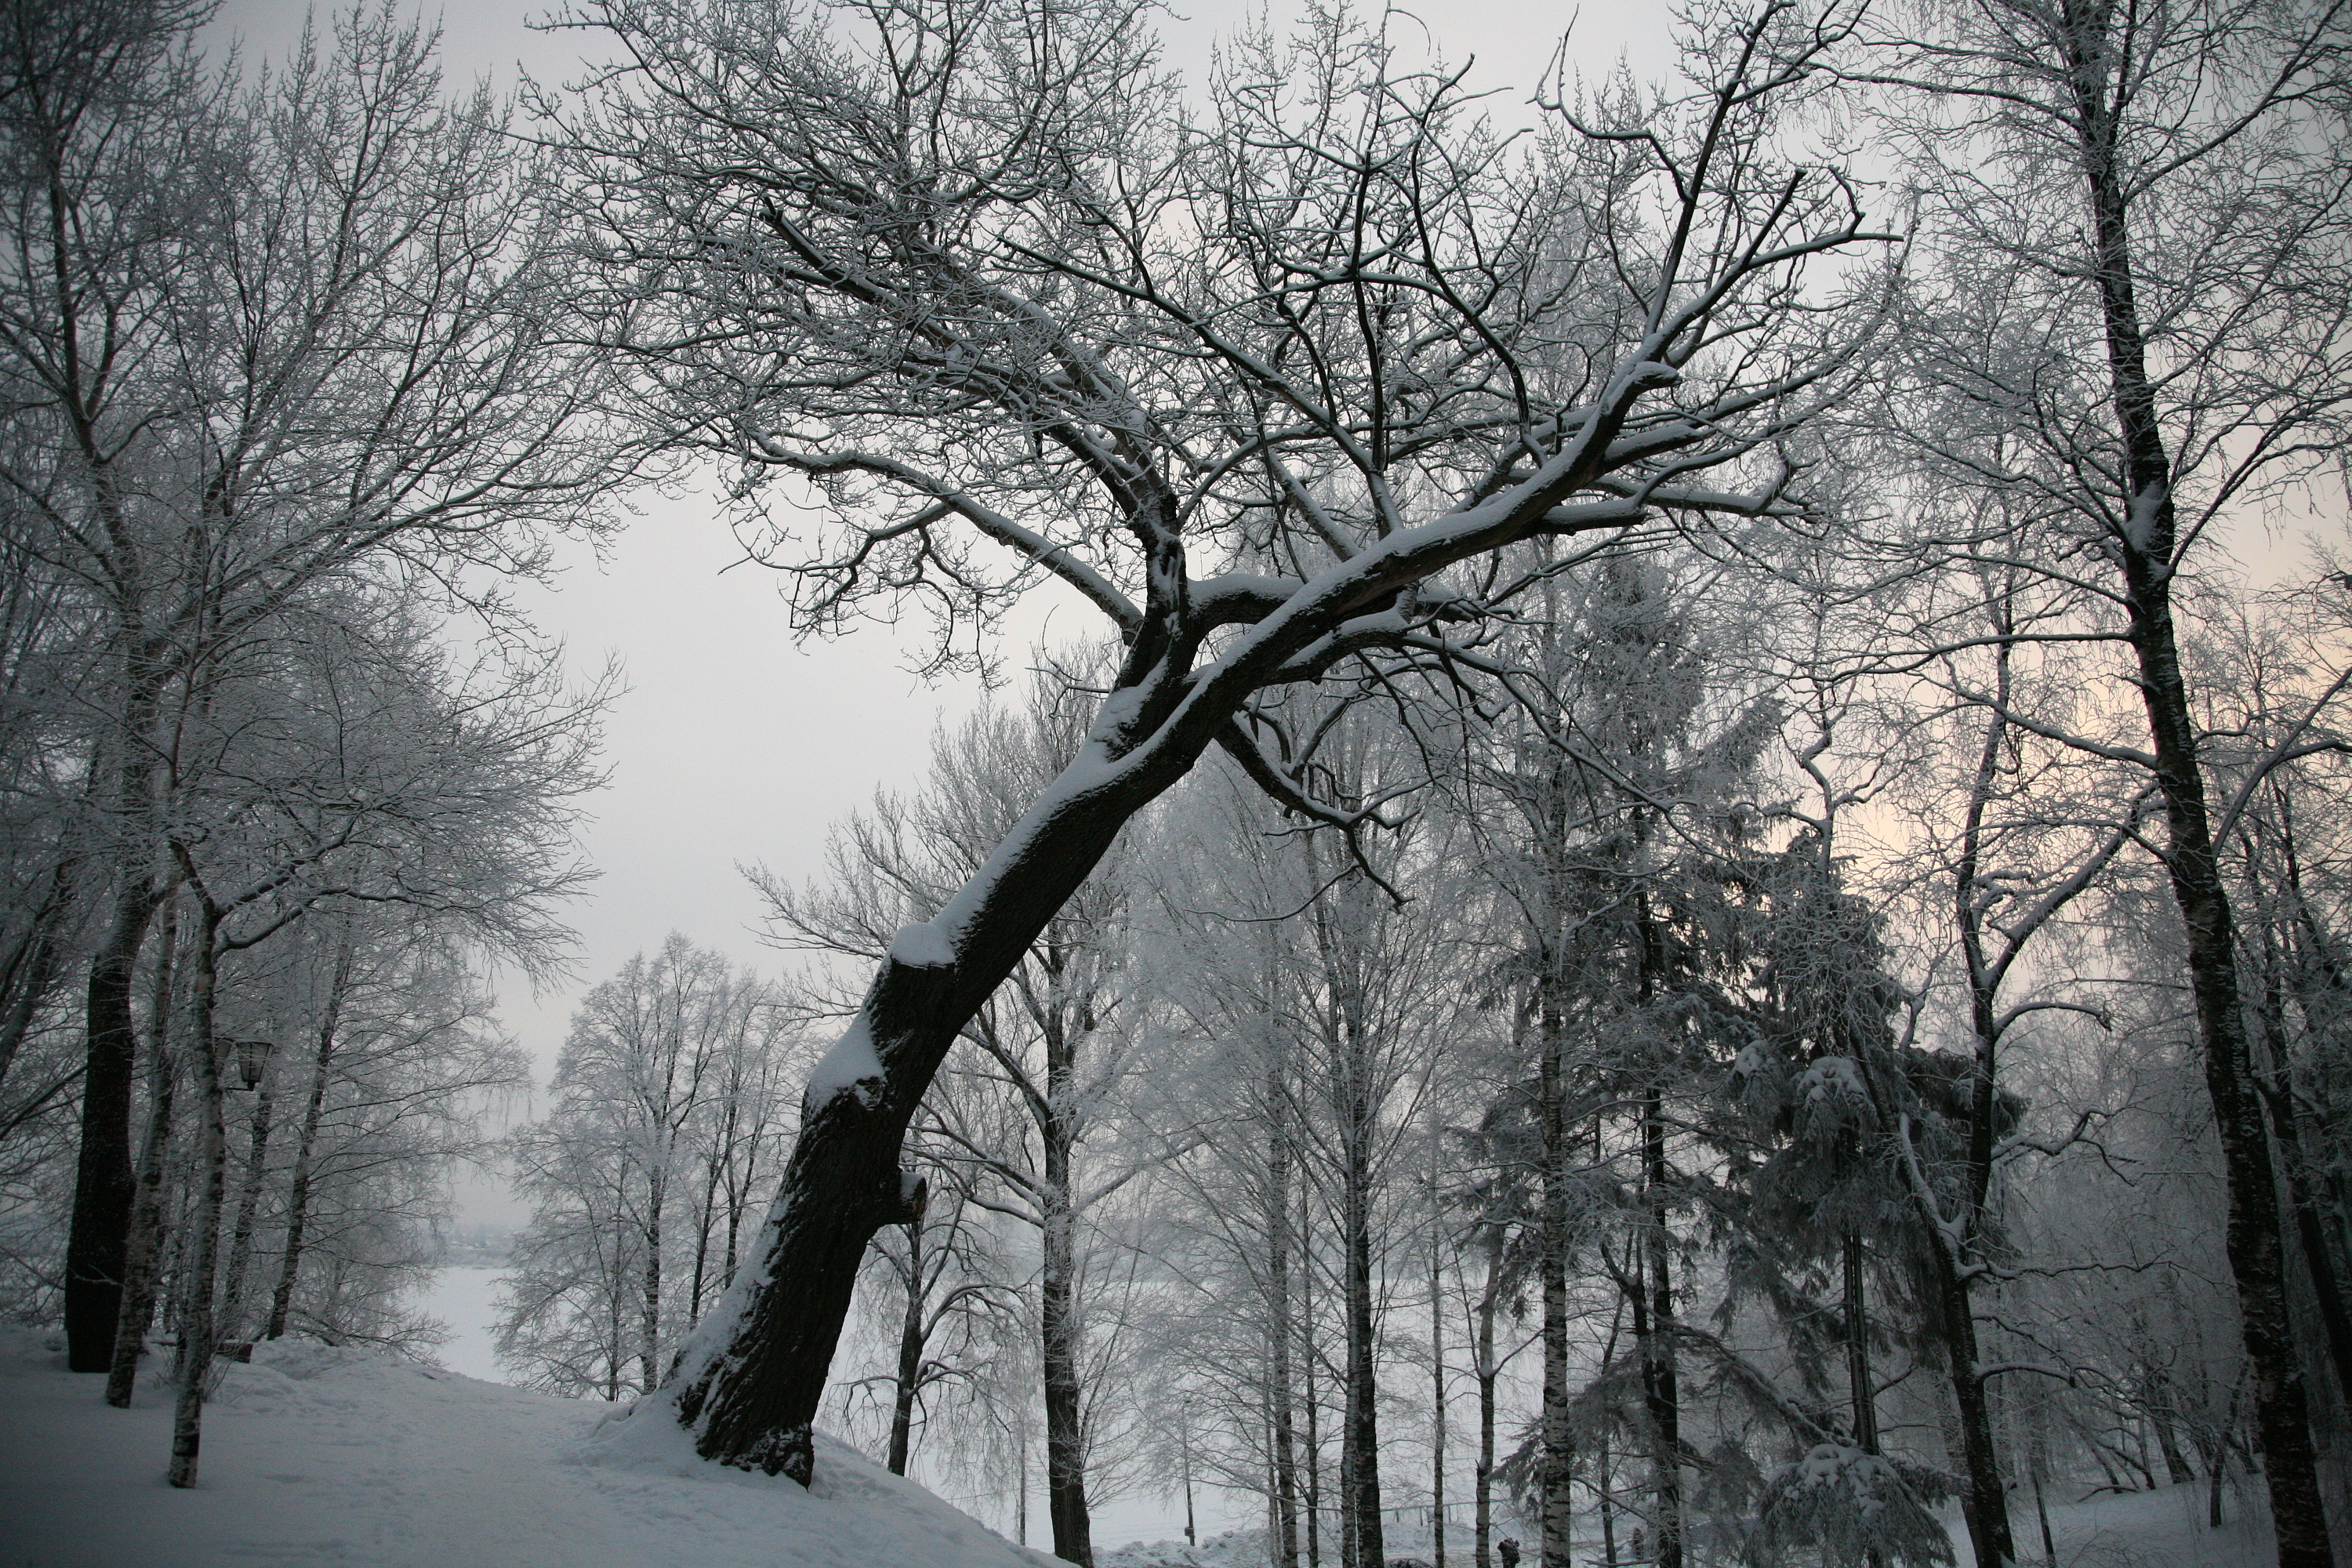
{"points": [[2162, 1529], [463, 1299], [318, 1456]]}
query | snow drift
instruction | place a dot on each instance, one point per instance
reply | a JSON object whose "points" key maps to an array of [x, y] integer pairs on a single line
{"points": [[320, 1454]]}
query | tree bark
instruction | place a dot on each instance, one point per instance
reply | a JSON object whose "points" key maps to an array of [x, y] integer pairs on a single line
{"points": [[1482, 1502], [1065, 1455], [1557, 1460], [751, 1398], [752, 1378], [1654, 1329], [199, 1331], [1359, 1442], [105, 1188], [145, 1241], [650, 1282], [298, 1192], [1436, 1351], [910, 1356], [1279, 1326], [248, 1207], [1860, 1387]]}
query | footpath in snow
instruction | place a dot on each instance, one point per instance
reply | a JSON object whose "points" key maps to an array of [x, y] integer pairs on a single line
{"points": [[318, 1454]]}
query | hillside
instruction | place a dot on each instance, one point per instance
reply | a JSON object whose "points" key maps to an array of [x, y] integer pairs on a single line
{"points": [[316, 1455]]}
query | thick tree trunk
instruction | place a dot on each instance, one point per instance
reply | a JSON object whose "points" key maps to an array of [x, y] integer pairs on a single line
{"points": [[1066, 1454], [105, 1189], [145, 1241], [248, 1211], [199, 1331], [750, 1380], [2253, 1235]]}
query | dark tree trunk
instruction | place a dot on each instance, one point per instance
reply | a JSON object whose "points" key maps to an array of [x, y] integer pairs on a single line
{"points": [[1279, 1326], [1311, 1400], [146, 1238], [1557, 1459], [750, 1386], [1483, 1518], [2277, 1089], [1359, 1442], [1066, 1454], [1984, 1504], [105, 1188], [248, 1214], [298, 1192], [1660, 1378], [2167, 1435], [199, 1331], [1860, 1386], [1436, 1358], [1059, 1324], [910, 1356], [1953, 1241]]}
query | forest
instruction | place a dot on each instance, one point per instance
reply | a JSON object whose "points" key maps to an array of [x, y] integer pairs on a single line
{"points": [[1692, 903]]}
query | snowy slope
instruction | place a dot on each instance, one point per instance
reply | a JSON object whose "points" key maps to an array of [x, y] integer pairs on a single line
{"points": [[316, 1455]]}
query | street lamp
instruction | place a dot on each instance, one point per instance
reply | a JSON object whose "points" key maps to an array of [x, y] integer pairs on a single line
{"points": [[253, 1060]]}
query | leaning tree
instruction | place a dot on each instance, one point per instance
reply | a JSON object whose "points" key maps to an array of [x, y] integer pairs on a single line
{"points": [[972, 304]]}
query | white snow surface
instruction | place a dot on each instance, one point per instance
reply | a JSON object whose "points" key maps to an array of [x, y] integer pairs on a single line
{"points": [[923, 945], [320, 1454], [851, 1064]]}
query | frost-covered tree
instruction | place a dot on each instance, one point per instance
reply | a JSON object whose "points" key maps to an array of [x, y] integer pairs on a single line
{"points": [[258, 338], [663, 1095], [2131, 329], [1261, 387]]}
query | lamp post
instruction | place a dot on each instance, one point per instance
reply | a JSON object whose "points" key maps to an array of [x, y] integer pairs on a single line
{"points": [[253, 1060]]}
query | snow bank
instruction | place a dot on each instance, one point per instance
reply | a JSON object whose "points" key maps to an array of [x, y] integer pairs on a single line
{"points": [[318, 1454]]}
